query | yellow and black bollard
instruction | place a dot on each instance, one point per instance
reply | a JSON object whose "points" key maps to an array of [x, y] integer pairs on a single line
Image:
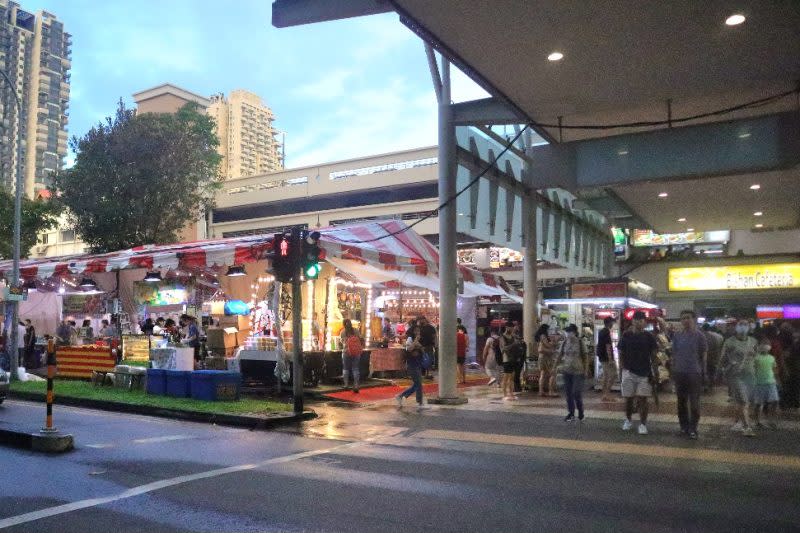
{"points": [[51, 373]]}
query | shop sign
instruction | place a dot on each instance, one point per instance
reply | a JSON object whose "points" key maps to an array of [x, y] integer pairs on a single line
{"points": [[769, 311], [598, 290], [648, 313], [79, 304], [739, 277], [791, 311], [648, 238]]}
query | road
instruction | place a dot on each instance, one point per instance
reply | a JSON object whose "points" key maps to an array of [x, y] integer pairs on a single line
{"points": [[380, 469]]}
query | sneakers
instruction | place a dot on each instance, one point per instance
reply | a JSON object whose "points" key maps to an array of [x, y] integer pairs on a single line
{"points": [[569, 418], [627, 425], [355, 390], [399, 399], [693, 435], [492, 381], [738, 427], [642, 429], [580, 416], [748, 432]]}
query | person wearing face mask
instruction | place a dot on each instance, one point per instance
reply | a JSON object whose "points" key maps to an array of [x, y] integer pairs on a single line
{"points": [[738, 356], [572, 361], [687, 366]]}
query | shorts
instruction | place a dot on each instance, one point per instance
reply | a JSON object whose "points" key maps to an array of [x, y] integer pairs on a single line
{"points": [[764, 393], [547, 363], [634, 385], [461, 359], [508, 367], [741, 390]]}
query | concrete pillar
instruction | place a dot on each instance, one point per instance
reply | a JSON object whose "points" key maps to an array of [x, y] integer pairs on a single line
{"points": [[448, 260], [530, 308]]}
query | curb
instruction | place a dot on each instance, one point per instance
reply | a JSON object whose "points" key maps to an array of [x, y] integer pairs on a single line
{"points": [[36, 441], [251, 422]]}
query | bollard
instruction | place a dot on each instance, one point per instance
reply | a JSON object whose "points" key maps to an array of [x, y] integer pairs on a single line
{"points": [[51, 373]]}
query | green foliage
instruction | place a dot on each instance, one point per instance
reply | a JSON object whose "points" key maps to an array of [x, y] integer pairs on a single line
{"points": [[140, 178], [37, 216]]}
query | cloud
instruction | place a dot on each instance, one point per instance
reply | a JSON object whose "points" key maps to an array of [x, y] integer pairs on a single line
{"points": [[329, 87]]}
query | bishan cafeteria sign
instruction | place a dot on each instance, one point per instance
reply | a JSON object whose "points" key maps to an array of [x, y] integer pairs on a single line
{"points": [[739, 277]]}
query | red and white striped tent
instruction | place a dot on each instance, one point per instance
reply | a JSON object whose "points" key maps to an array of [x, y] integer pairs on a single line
{"points": [[399, 255]]}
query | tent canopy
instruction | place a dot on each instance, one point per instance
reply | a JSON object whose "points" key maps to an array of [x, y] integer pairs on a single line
{"points": [[400, 254]]}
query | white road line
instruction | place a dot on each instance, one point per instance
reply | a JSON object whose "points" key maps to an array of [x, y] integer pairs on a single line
{"points": [[158, 485], [165, 438], [98, 445]]}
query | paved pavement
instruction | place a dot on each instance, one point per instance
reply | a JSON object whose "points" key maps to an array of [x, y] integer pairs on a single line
{"points": [[485, 466]]}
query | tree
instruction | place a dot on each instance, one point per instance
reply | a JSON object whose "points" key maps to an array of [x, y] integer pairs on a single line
{"points": [[140, 178], [37, 216]]}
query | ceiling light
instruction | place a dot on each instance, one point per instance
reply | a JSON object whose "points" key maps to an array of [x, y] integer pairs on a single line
{"points": [[744, 135], [759, 225], [236, 271], [663, 195], [88, 283], [713, 251], [153, 277], [735, 20], [681, 219], [755, 187], [757, 214], [689, 229], [622, 152], [555, 56]]}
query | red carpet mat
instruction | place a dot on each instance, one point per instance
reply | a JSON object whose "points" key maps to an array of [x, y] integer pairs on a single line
{"points": [[374, 394]]}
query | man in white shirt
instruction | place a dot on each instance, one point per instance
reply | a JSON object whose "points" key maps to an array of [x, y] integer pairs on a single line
{"points": [[21, 331]]}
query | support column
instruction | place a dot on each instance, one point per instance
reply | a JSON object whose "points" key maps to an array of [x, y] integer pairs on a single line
{"points": [[530, 308], [448, 259]]}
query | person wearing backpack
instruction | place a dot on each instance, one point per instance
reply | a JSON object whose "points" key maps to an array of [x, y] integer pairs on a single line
{"points": [[351, 354]]}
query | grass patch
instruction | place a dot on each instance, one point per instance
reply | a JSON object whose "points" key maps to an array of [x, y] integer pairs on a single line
{"points": [[85, 390]]}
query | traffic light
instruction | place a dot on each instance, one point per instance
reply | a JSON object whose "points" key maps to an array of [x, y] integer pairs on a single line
{"points": [[312, 254], [284, 258]]}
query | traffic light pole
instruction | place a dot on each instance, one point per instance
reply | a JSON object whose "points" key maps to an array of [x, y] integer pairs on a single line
{"points": [[297, 341]]}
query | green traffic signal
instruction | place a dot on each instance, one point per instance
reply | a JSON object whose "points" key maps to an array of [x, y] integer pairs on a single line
{"points": [[313, 270]]}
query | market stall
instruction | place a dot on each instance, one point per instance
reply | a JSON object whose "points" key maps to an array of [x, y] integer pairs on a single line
{"points": [[81, 361]]}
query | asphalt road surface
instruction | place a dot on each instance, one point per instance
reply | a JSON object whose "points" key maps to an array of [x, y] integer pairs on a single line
{"points": [[383, 470]]}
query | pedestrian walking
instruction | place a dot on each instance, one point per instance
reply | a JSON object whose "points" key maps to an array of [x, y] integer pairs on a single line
{"points": [[493, 360], [30, 345], [790, 378], [605, 355], [574, 364], [738, 354], [427, 338], [462, 342], [637, 349], [765, 393], [714, 341], [352, 347], [518, 353], [413, 354], [687, 368], [546, 348]]}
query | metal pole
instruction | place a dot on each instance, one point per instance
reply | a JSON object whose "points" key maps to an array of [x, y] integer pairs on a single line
{"points": [[51, 373], [530, 310], [448, 271], [297, 340], [13, 338]]}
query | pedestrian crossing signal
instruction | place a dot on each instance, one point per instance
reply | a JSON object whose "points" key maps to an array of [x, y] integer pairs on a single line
{"points": [[312, 254]]}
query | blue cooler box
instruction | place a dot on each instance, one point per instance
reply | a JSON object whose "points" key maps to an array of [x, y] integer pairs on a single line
{"points": [[179, 383], [156, 381], [216, 385]]}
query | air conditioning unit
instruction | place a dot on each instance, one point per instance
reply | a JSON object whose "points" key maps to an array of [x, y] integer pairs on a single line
{"points": [[40, 249]]}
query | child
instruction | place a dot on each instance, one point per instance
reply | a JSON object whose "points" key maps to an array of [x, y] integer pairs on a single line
{"points": [[765, 395]]}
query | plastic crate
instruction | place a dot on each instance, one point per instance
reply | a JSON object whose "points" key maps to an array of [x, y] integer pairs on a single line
{"points": [[179, 383], [156, 381], [216, 385]]}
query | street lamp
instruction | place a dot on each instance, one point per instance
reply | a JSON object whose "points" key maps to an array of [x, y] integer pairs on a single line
{"points": [[13, 341]]}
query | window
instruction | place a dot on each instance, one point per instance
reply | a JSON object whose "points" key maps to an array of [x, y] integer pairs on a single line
{"points": [[44, 238], [67, 235], [383, 168]]}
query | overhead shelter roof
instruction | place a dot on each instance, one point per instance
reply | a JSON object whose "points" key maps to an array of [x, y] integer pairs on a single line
{"points": [[375, 252]]}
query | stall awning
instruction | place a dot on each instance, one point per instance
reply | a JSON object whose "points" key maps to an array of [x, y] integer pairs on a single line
{"points": [[400, 254], [404, 256]]}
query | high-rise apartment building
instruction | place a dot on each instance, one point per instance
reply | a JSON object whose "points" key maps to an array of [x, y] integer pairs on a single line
{"points": [[248, 143], [35, 54]]}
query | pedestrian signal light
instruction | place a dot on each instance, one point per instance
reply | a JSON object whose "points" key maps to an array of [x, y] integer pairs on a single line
{"points": [[312, 254]]}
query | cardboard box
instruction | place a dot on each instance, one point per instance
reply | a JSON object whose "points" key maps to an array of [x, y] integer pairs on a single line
{"points": [[220, 338], [242, 336], [235, 321]]}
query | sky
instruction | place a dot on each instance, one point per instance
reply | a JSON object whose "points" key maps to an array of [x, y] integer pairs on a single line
{"points": [[338, 90]]}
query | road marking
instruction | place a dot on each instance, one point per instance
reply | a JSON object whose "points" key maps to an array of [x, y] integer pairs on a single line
{"points": [[166, 438], [164, 483], [645, 450], [98, 445]]}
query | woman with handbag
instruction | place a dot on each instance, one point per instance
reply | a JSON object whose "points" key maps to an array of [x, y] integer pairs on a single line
{"points": [[414, 364]]}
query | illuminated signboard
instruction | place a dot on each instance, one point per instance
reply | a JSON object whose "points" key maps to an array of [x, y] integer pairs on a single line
{"points": [[648, 238], [740, 277]]}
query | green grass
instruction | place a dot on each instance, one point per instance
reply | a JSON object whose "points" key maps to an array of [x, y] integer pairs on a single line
{"points": [[83, 389]]}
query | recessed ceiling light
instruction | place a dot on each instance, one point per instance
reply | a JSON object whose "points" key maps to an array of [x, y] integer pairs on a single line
{"points": [[555, 56], [757, 214], [755, 187], [689, 229], [662, 195], [759, 225], [735, 20], [622, 152], [681, 219]]}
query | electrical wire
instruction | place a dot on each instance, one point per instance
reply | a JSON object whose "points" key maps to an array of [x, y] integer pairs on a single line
{"points": [[640, 124]]}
